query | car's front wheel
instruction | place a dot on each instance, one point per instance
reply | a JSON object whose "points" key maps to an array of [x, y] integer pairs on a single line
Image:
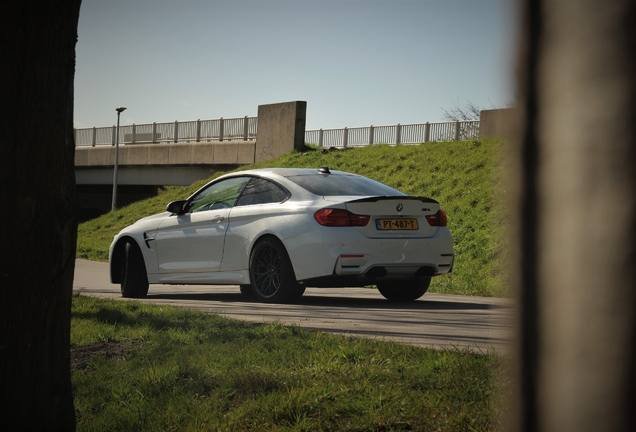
{"points": [[404, 291], [271, 273], [134, 279]]}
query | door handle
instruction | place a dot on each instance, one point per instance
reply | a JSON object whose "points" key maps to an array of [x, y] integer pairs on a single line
{"points": [[218, 219]]}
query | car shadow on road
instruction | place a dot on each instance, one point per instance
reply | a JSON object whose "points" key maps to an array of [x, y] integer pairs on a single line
{"points": [[422, 303], [334, 301]]}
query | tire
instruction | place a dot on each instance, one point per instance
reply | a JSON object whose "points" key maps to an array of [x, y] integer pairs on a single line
{"points": [[271, 273], [404, 291], [134, 279]]}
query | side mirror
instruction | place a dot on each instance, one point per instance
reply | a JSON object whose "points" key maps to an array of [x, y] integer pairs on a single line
{"points": [[176, 207]]}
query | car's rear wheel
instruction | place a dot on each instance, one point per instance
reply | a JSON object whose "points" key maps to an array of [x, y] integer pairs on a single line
{"points": [[134, 279], [404, 291], [271, 273]]}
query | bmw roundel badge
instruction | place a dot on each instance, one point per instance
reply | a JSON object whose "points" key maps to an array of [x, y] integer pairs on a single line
{"points": [[399, 207]]}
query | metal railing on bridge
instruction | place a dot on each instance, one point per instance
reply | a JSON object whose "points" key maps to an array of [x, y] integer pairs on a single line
{"points": [[394, 134], [231, 129], [245, 128]]}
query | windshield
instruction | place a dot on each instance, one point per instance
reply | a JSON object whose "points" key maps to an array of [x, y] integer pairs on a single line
{"points": [[343, 185]]}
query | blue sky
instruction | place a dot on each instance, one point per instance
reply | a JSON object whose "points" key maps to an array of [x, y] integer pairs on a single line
{"points": [[355, 62]]}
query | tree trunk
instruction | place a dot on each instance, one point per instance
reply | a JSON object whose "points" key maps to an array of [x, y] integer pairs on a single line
{"points": [[38, 222], [576, 267]]}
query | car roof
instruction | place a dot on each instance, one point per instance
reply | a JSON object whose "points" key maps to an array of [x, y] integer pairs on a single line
{"points": [[289, 172]]}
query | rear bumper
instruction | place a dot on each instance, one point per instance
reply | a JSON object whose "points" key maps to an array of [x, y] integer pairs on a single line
{"points": [[347, 255]]}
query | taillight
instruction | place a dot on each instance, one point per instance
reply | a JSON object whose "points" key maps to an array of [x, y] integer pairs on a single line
{"points": [[339, 217], [438, 219]]}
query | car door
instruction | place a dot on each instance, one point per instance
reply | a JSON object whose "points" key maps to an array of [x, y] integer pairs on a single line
{"points": [[258, 209], [193, 242]]}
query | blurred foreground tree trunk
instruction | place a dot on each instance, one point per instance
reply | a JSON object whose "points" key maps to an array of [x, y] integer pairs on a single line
{"points": [[577, 211], [38, 221]]}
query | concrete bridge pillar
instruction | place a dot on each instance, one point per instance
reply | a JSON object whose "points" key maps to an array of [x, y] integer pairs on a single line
{"points": [[281, 129]]}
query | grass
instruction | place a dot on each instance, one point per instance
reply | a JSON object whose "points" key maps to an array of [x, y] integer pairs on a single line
{"points": [[153, 367], [465, 177]]}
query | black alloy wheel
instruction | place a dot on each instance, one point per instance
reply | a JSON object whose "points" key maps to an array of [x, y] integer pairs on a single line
{"points": [[271, 273]]}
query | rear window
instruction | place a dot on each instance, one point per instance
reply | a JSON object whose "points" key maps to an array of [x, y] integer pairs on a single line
{"points": [[348, 185]]}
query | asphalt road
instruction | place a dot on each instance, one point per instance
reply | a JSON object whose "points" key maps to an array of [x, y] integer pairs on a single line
{"points": [[435, 320]]}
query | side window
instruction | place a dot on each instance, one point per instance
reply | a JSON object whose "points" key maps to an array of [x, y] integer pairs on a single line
{"points": [[261, 191], [221, 194]]}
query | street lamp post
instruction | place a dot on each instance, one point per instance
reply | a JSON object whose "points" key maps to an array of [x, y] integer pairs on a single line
{"points": [[114, 204]]}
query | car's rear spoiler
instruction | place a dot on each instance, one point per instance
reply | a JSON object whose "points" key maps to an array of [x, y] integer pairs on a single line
{"points": [[394, 197]]}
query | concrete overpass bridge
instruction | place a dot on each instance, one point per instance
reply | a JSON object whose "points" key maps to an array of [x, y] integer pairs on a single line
{"points": [[146, 161]]}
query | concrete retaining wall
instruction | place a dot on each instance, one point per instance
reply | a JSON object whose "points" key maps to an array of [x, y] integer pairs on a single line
{"points": [[281, 129], [498, 122]]}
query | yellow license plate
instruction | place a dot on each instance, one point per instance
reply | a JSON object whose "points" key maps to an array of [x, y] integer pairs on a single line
{"points": [[396, 224]]}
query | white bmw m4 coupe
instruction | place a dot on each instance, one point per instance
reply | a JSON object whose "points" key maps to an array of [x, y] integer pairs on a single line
{"points": [[276, 231]]}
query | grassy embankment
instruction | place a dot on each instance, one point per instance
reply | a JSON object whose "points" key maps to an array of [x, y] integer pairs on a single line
{"points": [[148, 367], [465, 177]]}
